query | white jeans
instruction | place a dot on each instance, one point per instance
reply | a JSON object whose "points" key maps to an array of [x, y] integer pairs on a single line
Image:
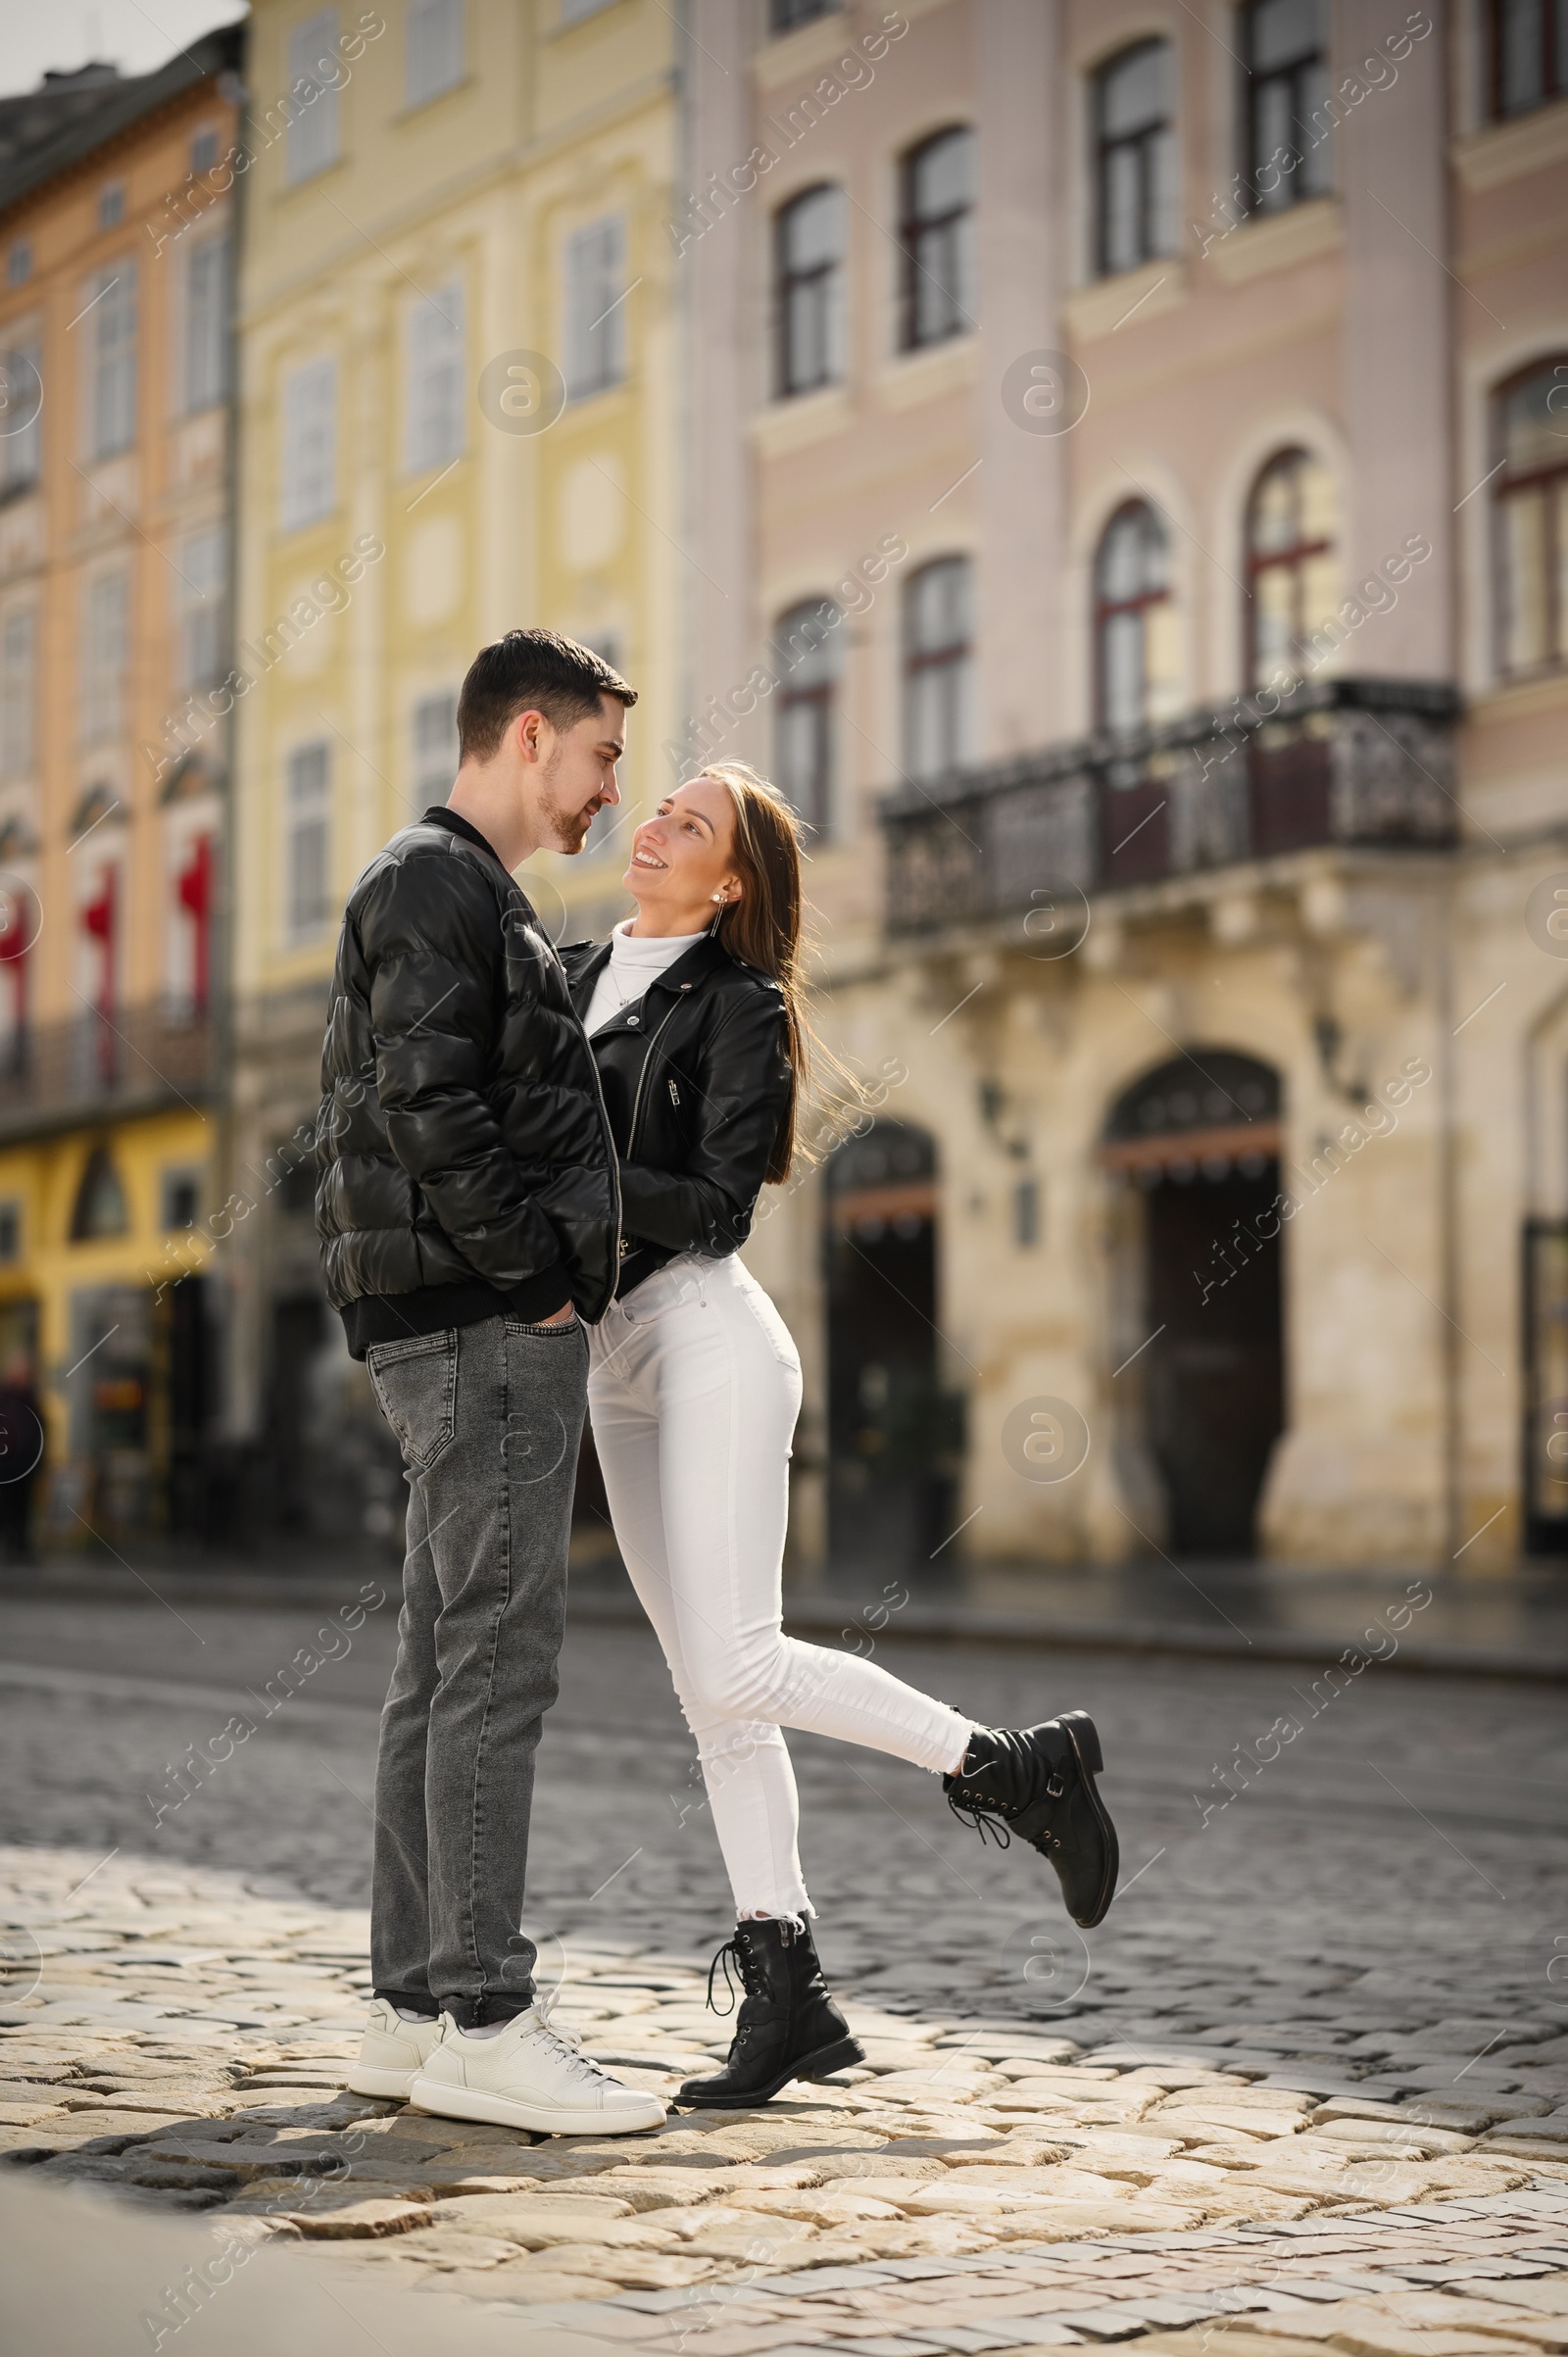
{"points": [[693, 1387]]}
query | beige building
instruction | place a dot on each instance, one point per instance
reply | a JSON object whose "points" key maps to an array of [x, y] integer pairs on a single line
{"points": [[458, 374], [1127, 492]]}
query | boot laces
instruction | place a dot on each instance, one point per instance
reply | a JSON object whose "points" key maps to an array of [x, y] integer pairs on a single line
{"points": [[754, 1981], [990, 1818]]}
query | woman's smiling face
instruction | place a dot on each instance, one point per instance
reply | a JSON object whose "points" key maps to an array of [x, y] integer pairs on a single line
{"points": [[682, 858]]}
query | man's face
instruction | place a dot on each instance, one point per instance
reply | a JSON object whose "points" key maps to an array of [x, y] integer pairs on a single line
{"points": [[579, 774]]}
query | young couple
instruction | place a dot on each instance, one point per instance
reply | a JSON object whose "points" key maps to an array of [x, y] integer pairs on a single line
{"points": [[535, 1173]]}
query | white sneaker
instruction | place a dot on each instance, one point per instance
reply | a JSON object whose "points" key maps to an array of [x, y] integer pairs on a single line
{"points": [[392, 2052], [530, 2075]]}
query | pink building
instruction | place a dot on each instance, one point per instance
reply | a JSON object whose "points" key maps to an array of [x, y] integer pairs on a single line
{"points": [[1128, 463]]}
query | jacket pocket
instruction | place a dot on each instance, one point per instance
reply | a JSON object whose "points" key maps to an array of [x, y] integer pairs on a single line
{"points": [[416, 1385]]}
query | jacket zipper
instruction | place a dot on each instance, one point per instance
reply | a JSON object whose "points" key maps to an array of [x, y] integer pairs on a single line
{"points": [[642, 1077], [607, 1133]]}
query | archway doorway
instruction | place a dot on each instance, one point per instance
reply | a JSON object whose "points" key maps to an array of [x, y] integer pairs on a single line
{"points": [[894, 1436], [1199, 1138]]}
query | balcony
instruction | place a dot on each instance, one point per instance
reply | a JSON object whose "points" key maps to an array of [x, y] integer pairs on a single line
{"points": [[90, 1069], [1344, 762]]}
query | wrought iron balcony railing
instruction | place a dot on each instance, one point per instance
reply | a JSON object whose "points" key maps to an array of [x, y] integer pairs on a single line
{"points": [[1345, 761], [95, 1067]]}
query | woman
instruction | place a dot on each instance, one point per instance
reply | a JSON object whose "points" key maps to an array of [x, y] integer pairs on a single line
{"points": [[693, 1007]]}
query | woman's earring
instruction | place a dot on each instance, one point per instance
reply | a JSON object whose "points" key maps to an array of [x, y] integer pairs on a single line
{"points": [[719, 896]]}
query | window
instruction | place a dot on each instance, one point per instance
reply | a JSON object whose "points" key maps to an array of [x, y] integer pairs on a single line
{"points": [[434, 57], [17, 691], [1136, 192], [595, 311], [21, 416], [938, 669], [433, 426], [785, 15], [938, 239], [10, 1231], [311, 101], [310, 444], [183, 1198], [434, 748], [202, 152], [111, 206], [309, 818], [106, 652], [1132, 642], [201, 600], [572, 12], [807, 640], [207, 283], [114, 379], [19, 262], [100, 1209], [809, 267], [1291, 575], [1529, 54], [1289, 152], [1531, 521]]}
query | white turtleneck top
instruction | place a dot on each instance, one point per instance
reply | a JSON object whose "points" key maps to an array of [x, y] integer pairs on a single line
{"points": [[632, 964]]}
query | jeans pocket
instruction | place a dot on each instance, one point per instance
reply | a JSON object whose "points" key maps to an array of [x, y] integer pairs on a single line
{"points": [[416, 1385]]}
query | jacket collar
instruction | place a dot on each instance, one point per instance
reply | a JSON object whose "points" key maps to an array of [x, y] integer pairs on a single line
{"points": [[586, 960]]}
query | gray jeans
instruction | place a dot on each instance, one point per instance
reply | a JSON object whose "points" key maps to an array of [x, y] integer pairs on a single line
{"points": [[489, 1419]]}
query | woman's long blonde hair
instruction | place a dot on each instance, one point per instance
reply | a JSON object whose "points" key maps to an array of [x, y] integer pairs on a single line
{"points": [[763, 927]]}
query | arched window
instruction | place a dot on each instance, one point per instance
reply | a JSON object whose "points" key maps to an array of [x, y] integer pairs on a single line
{"points": [[1290, 564], [808, 263], [1529, 507], [1136, 162], [938, 669], [807, 640], [100, 1206], [1134, 622], [937, 235]]}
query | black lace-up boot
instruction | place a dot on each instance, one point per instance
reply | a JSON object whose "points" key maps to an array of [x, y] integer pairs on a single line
{"points": [[788, 2025], [1039, 1783]]}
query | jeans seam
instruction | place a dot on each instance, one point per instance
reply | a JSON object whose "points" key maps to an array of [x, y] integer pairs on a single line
{"points": [[483, 1990]]}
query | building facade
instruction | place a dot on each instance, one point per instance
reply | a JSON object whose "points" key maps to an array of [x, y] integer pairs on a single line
{"points": [[459, 412], [1126, 494], [116, 452]]}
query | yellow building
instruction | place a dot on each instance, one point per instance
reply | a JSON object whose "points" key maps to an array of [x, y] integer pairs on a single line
{"points": [[459, 415], [115, 458]]}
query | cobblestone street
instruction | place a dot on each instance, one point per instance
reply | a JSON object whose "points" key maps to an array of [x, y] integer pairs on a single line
{"points": [[1308, 2086]]}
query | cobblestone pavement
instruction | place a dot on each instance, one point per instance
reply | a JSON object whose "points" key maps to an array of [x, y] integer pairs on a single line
{"points": [[1307, 2088]]}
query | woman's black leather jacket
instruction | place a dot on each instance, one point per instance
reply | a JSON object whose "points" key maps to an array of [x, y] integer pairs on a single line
{"points": [[697, 1081]]}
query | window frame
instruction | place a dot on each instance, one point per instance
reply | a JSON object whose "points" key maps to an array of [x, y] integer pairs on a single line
{"points": [[414, 99], [1553, 61], [22, 451], [305, 158], [1295, 558], [114, 364], [445, 356], [301, 926], [1107, 609], [1504, 487], [955, 660], [105, 631], [1255, 81], [817, 695], [824, 280], [19, 691], [422, 755], [293, 514], [785, 17], [916, 229], [214, 255], [1104, 145], [588, 370]]}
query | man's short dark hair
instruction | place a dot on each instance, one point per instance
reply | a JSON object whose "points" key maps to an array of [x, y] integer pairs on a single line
{"points": [[531, 670]]}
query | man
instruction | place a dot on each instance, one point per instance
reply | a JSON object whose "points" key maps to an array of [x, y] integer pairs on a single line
{"points": [[469, 1212]]}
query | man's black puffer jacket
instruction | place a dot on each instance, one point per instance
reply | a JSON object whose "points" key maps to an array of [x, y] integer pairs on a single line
{"points": [[697, 1081], [463, 1137]]}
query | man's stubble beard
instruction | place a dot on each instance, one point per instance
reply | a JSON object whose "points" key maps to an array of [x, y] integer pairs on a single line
{"points": [[567, 828]]}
